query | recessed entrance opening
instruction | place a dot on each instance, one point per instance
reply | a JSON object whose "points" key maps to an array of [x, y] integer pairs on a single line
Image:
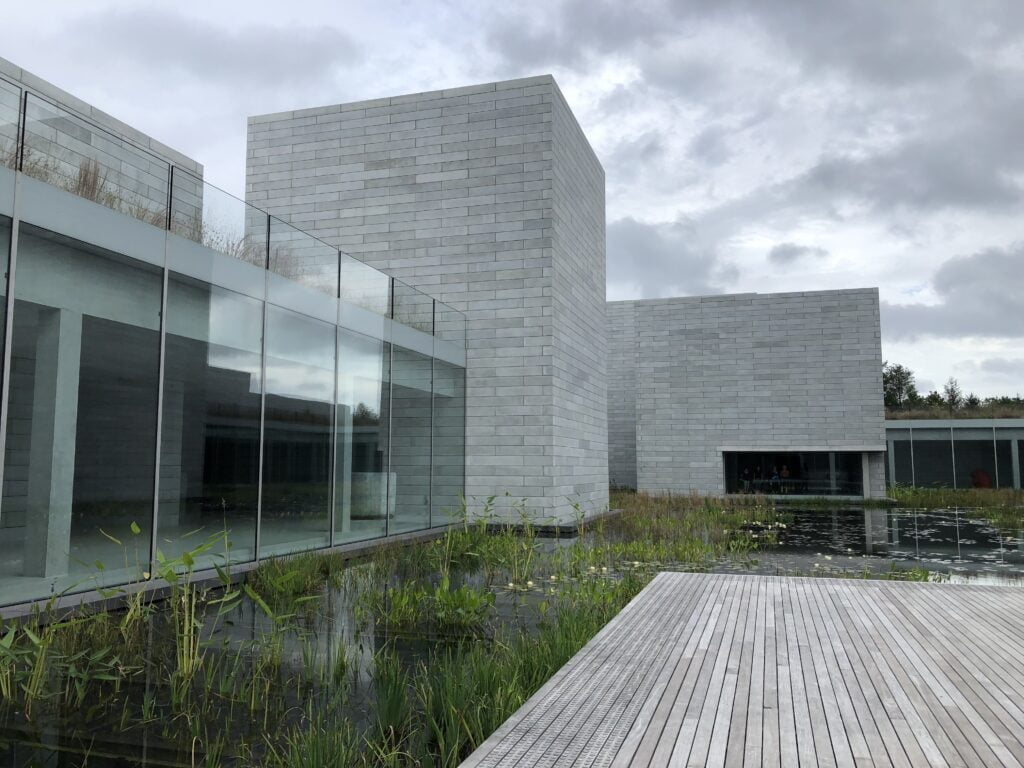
{"points": [[801, 473]]}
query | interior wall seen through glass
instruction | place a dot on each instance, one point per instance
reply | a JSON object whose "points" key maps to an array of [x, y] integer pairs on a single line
{"points": [[298, 423], [81, 430], [975, 463], [1004, 464], [448, 443], [411, 395], [933, 458], [363, 495], [903, 460], [210, 435]]}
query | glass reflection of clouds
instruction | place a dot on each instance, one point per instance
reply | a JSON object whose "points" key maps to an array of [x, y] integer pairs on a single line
{"points": [[300, 356]]}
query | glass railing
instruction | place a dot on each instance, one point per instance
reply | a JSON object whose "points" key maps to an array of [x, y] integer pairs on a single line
{"points": [[364, 286], [10, 121], [204, 214], [449, 324], [413, 308], [64, 150], [59, 147]]}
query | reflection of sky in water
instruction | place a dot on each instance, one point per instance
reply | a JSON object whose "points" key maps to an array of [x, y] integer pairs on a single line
{"points": [[960, 542]]}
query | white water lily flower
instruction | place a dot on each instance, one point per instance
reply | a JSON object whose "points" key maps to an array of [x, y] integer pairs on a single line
{"points": [[529, 583], [511, 585]]}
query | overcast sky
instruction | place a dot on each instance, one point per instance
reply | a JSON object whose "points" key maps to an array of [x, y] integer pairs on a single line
{"points": [[749, 145]]}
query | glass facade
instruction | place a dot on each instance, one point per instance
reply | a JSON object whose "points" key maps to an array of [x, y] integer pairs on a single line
{"points": [[362, 503], [185, 371], [81, 424], [210, 433], [411, 388], [297, 438], [799, 473], [956, 453]]}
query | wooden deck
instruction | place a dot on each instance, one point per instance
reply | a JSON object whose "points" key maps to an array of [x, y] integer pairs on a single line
{"points": [[708, 669]]}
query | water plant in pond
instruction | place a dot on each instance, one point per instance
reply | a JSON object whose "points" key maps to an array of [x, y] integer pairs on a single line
{"points": [[410, 655]]}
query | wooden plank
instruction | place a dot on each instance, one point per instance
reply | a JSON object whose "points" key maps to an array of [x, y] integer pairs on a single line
{"points": [[638, 746], [724, 669]]}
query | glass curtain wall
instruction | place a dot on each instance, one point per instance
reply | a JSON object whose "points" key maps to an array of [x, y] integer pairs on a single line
{"points": [[363, 495], [814, 473], [5, 265], [411, 399], [81, 427], [933, 458], [210, 432], [297, 433], [448, 443], [956, 457], [235, 416]]}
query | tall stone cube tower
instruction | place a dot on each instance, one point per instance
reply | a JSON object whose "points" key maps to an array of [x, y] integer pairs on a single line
{"points": [[490, 199]]}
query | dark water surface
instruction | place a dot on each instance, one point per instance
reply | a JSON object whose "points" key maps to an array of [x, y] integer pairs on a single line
{"points": [[954, 545]]}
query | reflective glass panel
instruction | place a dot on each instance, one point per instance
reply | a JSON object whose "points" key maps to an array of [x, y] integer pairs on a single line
{"points": [[10, 97], [297, 433], [210, 437], [64, 150], [933, 458], [301, 257], [413, 308], [812, 473], [449, 324], [975, 461], [211, 217], [448, 444], [1004, 463], [364, 286], [5, 262], [81, 430], [410, 439], [362, 490]]}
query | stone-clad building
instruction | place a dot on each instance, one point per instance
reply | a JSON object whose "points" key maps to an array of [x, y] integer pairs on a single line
{"points": [[713, 394], [490, 198]]}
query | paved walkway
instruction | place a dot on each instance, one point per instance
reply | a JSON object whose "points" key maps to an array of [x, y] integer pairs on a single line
{"points": [[715, 669]]}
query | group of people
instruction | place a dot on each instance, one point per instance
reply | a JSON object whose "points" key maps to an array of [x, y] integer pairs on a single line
{"points": [[754, 481]]}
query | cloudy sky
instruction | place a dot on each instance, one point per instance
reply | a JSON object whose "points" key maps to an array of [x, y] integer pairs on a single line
{"points": [[749, 145]]}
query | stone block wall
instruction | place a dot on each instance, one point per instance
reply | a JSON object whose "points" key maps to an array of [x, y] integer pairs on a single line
{"points": [[788, 371], [622, 362], [488, 198]]}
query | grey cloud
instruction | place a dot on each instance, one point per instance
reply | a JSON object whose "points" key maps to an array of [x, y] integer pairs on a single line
{"points": [[1004, 367], [664, 259], [633, 157], [711, 145], [574, 31], [887, 43], [920, 174], [246, 55], [787, 253], [981, 295]]}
